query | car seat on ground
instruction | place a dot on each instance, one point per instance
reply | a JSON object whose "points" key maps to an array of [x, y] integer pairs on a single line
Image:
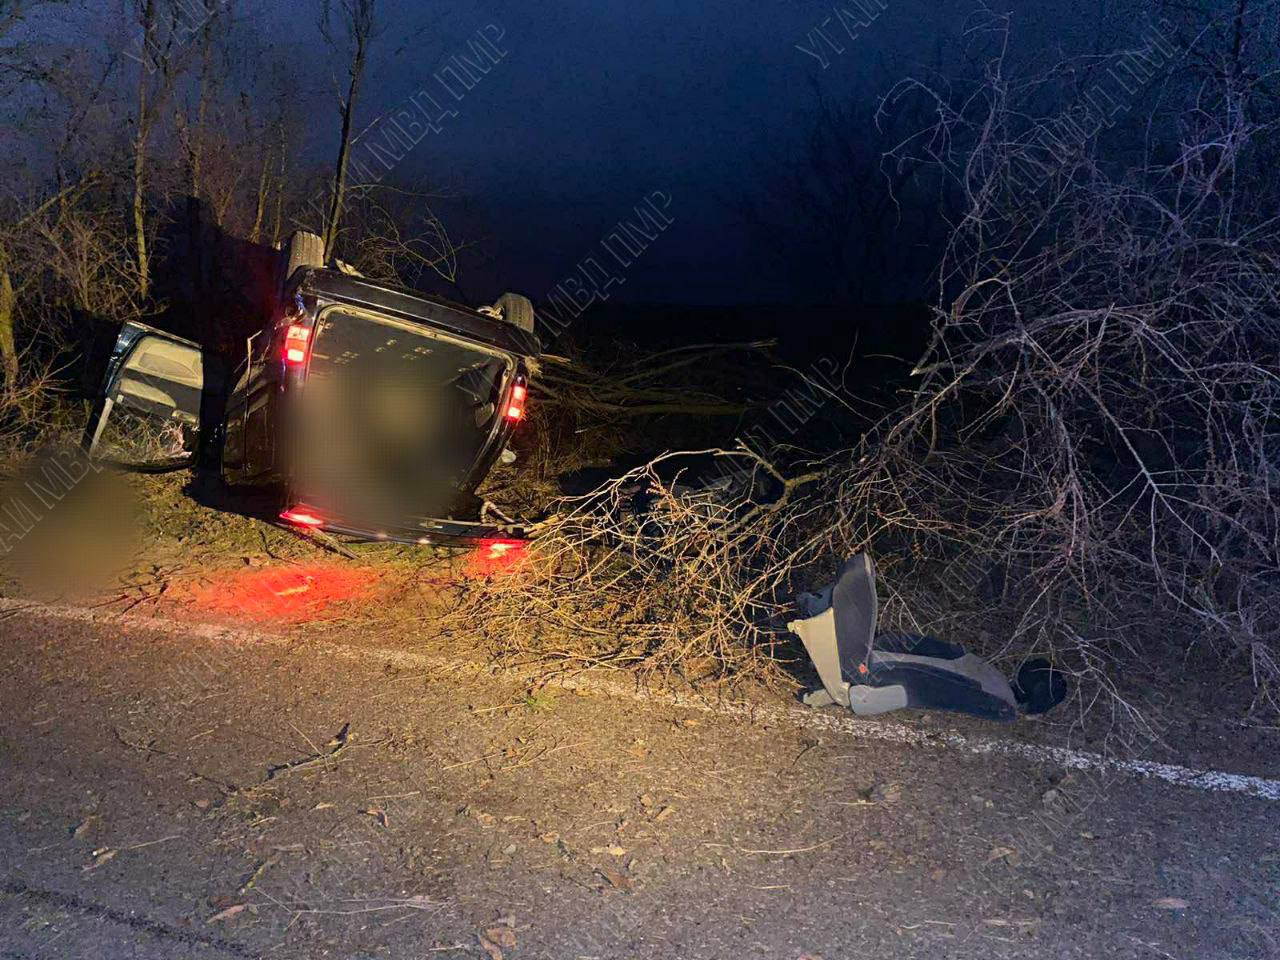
{"points": [[873, 674]]}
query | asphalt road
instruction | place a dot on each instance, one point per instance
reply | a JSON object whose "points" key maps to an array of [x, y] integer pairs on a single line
{"points": [[171, 795]]}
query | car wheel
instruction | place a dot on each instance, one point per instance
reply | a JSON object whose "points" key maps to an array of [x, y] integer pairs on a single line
{"points": [[516, 310], [302, 249]]}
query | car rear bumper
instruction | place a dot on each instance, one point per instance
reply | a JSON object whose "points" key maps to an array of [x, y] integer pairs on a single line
{"points": [[460, 533]]}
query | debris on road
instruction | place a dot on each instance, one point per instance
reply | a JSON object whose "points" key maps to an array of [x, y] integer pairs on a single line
{"points": [[100, 856], [884, 793], [336, 746], [85, 826], [616, 879], [232, 911]]}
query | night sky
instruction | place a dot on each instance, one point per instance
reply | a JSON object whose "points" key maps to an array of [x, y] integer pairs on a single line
{"points": [[598, 103]]}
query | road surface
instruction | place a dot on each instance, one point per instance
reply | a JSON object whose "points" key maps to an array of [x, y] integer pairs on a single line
{"points": [[165, 793]]}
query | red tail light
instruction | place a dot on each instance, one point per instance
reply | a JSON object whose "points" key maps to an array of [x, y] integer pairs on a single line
{"points": [[515, 407], [296, 339], [302, 516]]}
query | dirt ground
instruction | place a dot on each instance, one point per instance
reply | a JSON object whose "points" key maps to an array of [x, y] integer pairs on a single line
{"points": [[345, 780]]}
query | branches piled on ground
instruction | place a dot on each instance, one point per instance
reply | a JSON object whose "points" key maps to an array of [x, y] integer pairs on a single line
{"points": [[592, 409], [674, 566], [1087, 464], [1090, 457]]}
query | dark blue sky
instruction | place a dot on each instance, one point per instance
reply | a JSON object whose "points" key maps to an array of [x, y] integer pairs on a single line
{"points": [[599, 103]]}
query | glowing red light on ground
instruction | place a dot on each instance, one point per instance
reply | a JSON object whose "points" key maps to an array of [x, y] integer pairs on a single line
{"points": [[495, 556], [302, 517], [292, 594]]}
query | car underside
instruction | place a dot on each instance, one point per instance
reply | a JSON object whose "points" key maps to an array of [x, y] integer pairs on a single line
{"points": [[368, 409]]}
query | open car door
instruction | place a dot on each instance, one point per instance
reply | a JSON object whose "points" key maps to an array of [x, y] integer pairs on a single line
{"points": [[148, 417]]}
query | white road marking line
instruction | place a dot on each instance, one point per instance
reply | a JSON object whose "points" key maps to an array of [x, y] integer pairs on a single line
{"points": [[887, 732]]}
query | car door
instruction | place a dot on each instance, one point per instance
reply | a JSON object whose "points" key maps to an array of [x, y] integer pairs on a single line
{"points": [[148, 416]]}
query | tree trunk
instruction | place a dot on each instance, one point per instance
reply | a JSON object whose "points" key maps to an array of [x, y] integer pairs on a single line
{"points": [[260, 202], [344, 152], [140, 157], [195, 143], [282, 168], [139, 215], [8, 349]]}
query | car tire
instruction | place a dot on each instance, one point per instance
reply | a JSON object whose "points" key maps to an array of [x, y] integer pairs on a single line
{"points": [[516, 310], [302, 249]]}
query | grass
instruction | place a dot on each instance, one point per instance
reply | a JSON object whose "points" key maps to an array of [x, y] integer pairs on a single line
{"points": [[539, 701]]}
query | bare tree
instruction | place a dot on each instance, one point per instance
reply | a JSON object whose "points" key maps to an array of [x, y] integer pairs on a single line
{"points": [[17, 67], [157, 69], [192, 120], [25, 241], [401, 238], [350, 38], [277, 131], [282, 166]]}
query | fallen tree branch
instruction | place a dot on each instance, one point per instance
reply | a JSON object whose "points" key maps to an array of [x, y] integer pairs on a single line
{"points": [[338, 745]]}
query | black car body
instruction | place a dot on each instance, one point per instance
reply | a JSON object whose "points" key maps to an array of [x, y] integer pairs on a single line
{"points": [[371, 410]]}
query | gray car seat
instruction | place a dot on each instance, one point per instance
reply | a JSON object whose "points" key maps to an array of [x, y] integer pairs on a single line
{"points": [[872, 674]]}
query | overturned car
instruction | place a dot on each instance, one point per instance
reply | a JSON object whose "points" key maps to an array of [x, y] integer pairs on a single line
{"points": [[365, 409]]}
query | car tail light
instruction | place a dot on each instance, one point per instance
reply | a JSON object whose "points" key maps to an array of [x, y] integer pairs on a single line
{"points": [[302, 516], [296, 339], [515, 406]]}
